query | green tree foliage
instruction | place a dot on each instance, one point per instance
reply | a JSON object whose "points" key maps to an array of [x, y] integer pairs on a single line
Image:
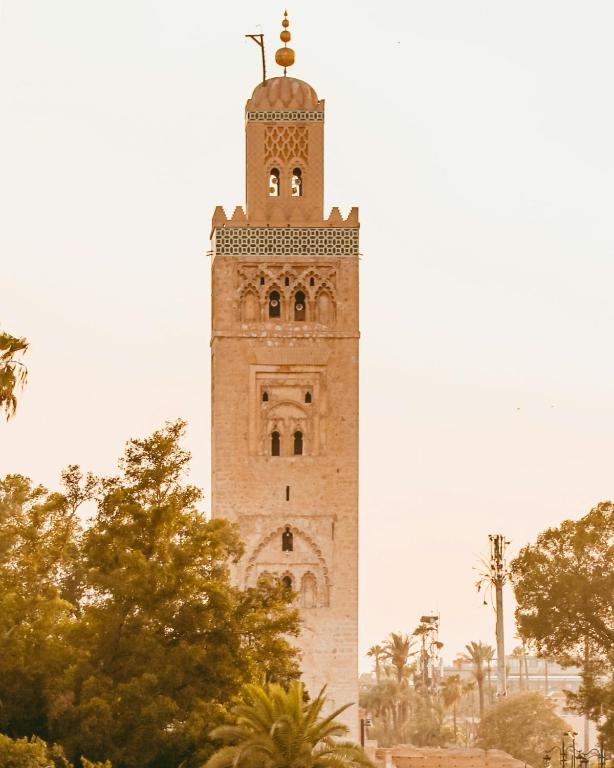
{"points": [[123, 639], [31, 753], [275, 728], [13, 372], [564, 584], [524, 725]]}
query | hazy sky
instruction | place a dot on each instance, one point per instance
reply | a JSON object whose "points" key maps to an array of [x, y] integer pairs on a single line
{"points": [[477, 139]]}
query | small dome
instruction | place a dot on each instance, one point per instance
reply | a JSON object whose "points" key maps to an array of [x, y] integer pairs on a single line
{"points": [[283, 93]]}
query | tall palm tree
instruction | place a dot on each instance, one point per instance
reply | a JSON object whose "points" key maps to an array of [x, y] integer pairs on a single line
{"points": [[452, 693], [477, 654], [377, 652], [275, 728], [13, 372], [397, 650]]}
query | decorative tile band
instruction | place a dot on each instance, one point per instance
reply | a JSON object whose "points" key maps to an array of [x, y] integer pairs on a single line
{"points": [[285, 241], [286, 116]]}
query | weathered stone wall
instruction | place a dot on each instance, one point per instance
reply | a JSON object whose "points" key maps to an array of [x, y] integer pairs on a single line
{"points": [[407, 756]]}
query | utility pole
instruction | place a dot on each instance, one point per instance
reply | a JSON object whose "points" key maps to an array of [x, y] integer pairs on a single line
{"points": [[498, 577]]}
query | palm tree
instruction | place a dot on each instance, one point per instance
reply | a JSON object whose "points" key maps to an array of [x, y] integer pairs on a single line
{"points": [[275, 728], [377, 652], [397, 650], [489, 657], [13, 372], [452, 693], [477, 654]]}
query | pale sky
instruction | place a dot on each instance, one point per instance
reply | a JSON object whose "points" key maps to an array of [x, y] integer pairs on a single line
{"points": [[477, 140]]}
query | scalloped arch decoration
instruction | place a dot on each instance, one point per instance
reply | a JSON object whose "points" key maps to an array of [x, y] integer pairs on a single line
{"points": [[276, 534]]}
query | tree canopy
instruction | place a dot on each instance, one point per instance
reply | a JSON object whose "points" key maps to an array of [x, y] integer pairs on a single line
{"points": [[13, 372], [524, 725], [563, 584], [123, 638]]}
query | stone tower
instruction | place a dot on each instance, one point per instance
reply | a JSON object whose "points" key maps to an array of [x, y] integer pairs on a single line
{"points": [[284, 354]]}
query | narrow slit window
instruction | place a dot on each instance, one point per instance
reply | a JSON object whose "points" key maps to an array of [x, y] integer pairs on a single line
{"points": [[312, 281], [274, 304], [275, 443], [274, 182], [297, 183], [265, 396], [287, 281], [287, 540], [307, 397], [298, 443], [299, 306], [287, 493], [262, 281]]}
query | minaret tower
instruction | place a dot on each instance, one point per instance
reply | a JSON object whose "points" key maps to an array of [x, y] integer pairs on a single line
{"points": [[284, 353]]}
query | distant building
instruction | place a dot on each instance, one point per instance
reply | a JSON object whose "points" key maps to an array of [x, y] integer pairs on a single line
{"points": [[539, 675]]}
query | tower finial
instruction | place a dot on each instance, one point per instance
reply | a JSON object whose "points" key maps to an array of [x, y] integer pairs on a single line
{"points": [[285, 56]]}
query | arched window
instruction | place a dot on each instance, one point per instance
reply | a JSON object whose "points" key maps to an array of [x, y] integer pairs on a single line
{"points": [[297, 183], [307, 397], [265, 396], [274, 304], [287, 540], [274, 182], [275, 443], [287, 582], [312, 281], [299, 305], [298, 443]]}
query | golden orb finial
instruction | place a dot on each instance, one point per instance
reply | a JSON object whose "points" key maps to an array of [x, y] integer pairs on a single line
{"points": [[285, 56]]}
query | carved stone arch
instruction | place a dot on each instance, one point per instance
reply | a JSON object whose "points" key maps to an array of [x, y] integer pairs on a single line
{"points": [[250, 304], [276, 534], [274, 287]]}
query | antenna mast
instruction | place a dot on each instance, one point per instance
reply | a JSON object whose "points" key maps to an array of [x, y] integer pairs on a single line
{"points": [[259, 40]]}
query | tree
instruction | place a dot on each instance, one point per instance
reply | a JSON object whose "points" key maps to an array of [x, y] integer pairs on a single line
{"points": [[563, 586], [477, 654], [13, 372], [377, 652], [274, 728], [524, 725], [452, 693], [124, 638], [37, 550], [397, 650]]}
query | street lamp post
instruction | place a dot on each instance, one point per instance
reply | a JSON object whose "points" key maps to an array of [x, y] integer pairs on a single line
{"points": [[570, 757]]}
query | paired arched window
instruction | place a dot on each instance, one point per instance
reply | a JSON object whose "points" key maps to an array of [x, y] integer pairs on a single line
{"points": [[274, 182], [297, 183], [287, 540], [299, 306], [274, 304], [298, 443], [275, 443]]}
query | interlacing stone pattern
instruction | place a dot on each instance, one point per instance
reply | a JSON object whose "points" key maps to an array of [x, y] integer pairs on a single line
{"points": [[286, 241]]}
